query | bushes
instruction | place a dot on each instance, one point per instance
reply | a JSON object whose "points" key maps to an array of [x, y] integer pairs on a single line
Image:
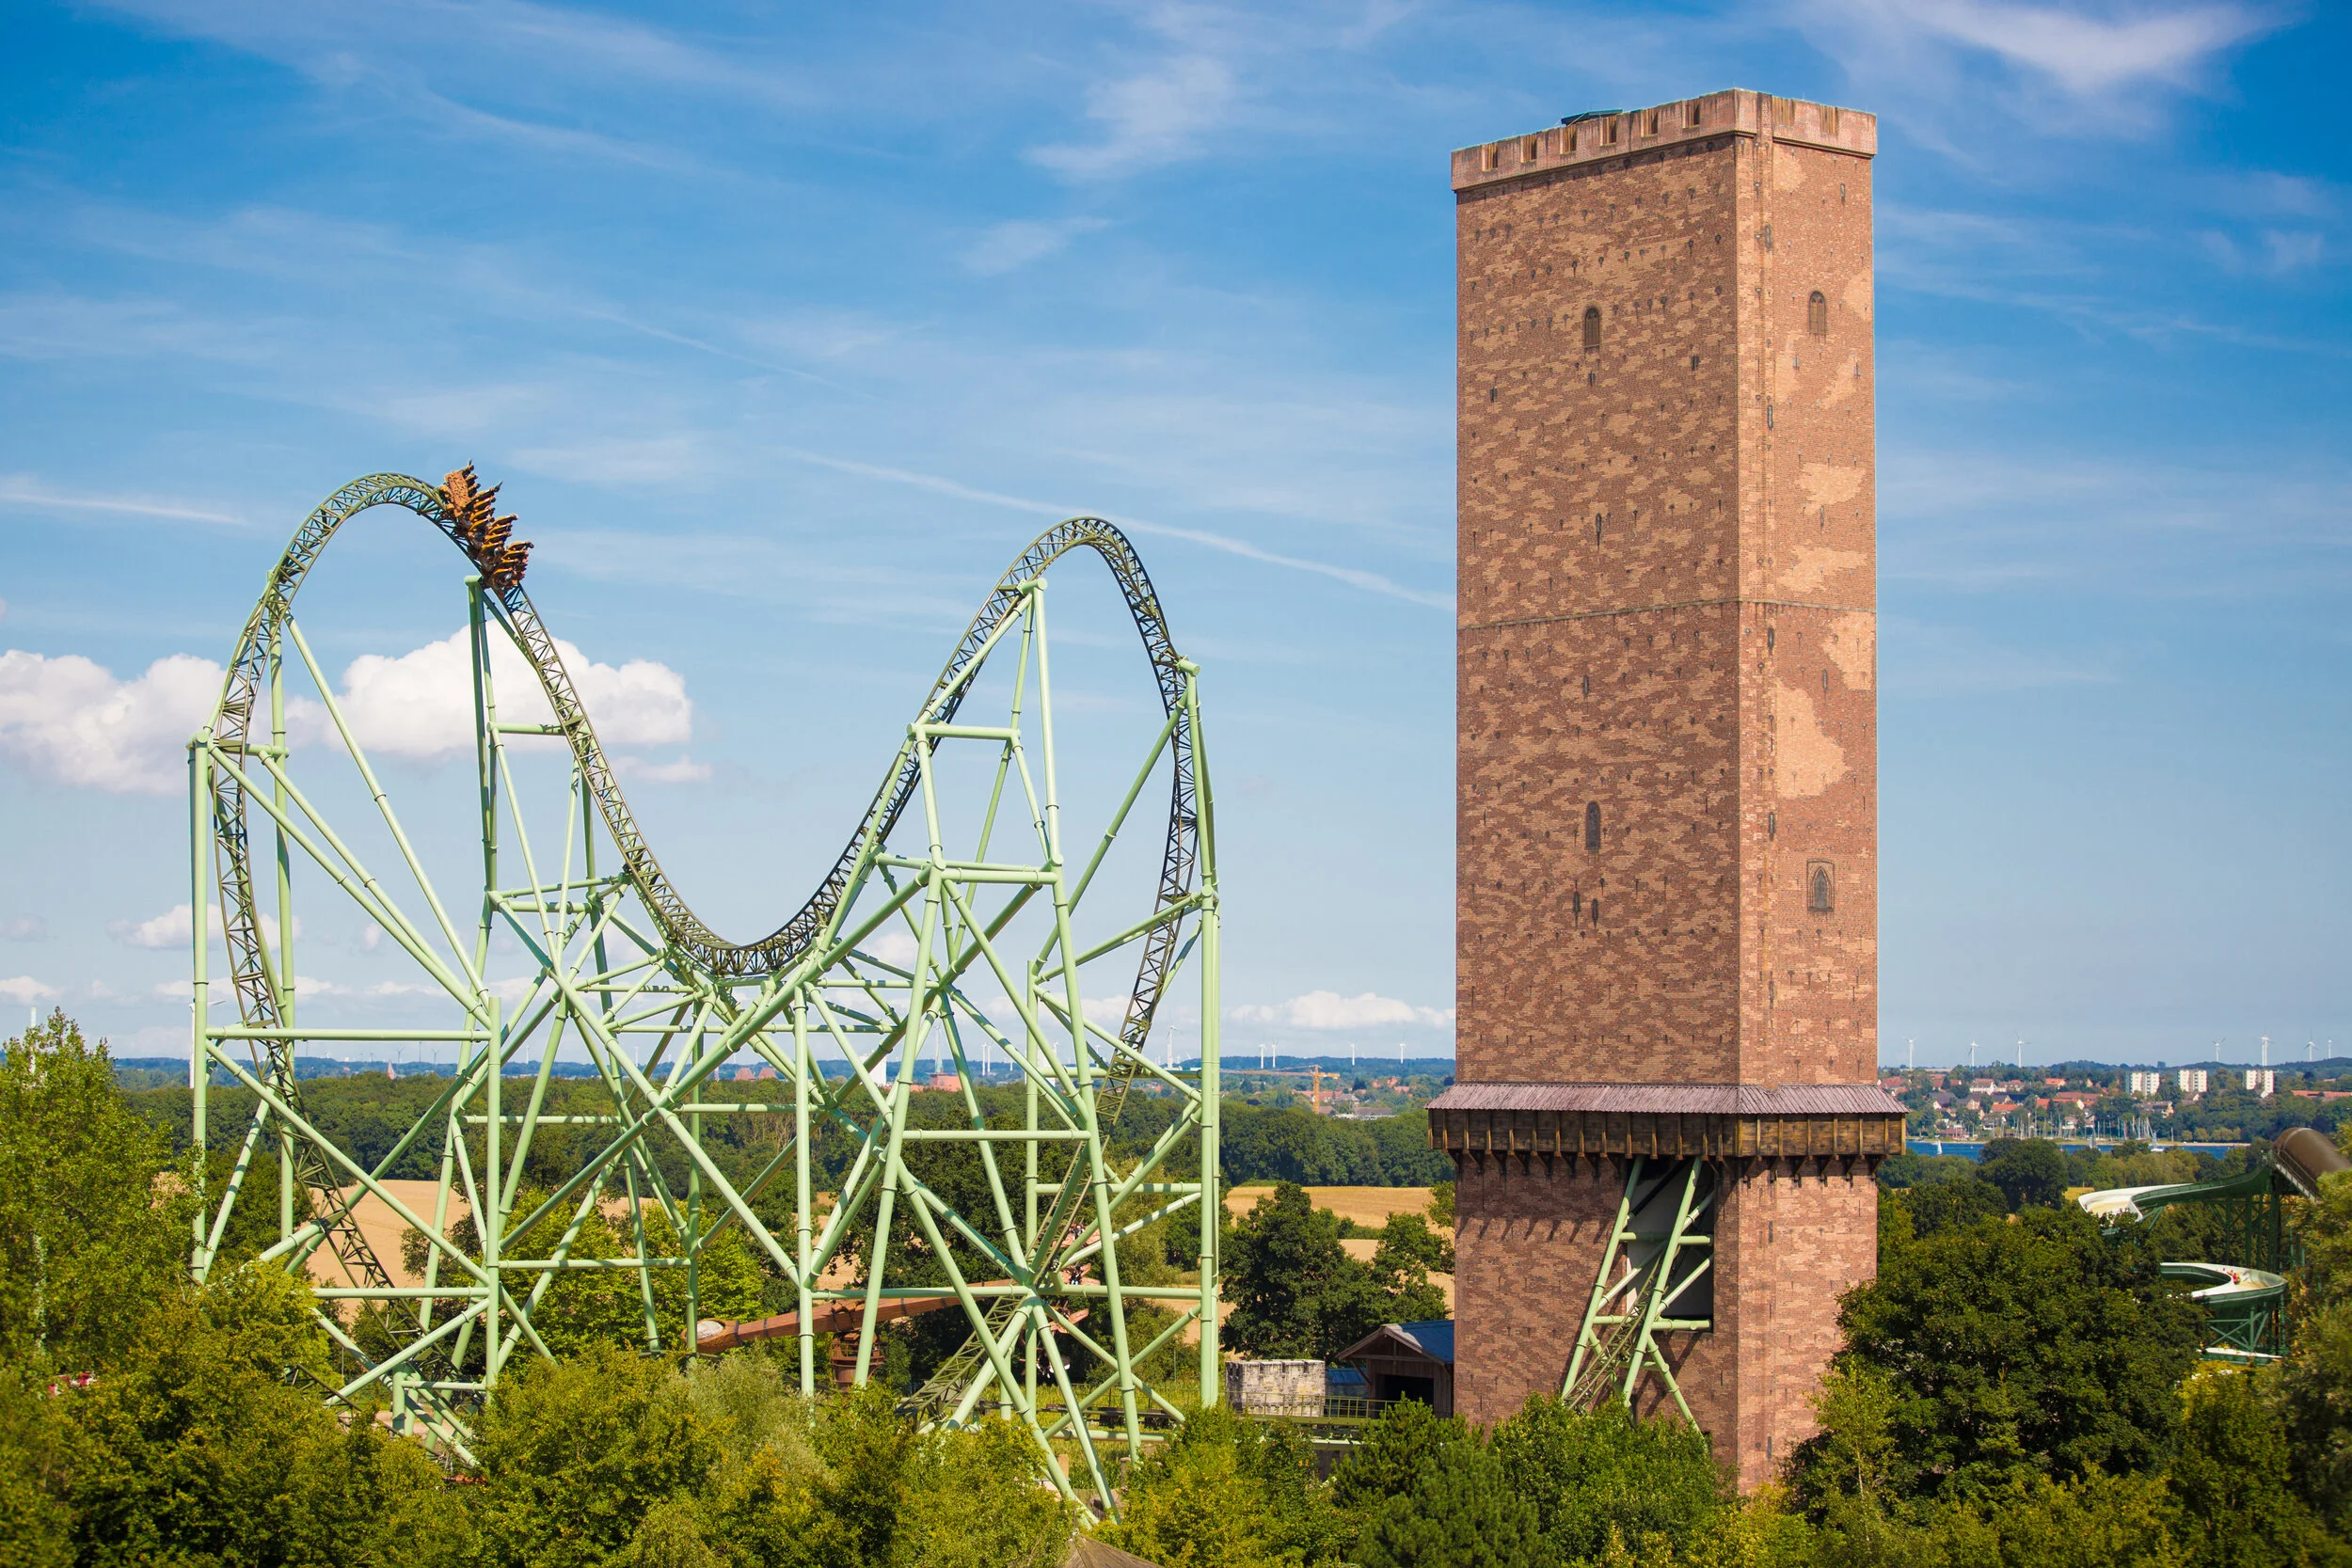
{"points": [[1554, 1488], [1465, 1510], [1591, 1477], [1228, 1492], [207, 1442]]}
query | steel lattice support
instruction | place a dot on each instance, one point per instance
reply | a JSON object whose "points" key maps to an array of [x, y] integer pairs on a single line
{"points": [[1666, 1211], [908, 946]]}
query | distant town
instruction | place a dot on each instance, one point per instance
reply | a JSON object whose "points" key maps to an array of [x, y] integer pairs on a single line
{"points": [[2201, 1102]]}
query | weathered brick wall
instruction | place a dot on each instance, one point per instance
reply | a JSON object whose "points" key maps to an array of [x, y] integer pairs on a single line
{"points": [[1786, 1248], [1667, 610]]}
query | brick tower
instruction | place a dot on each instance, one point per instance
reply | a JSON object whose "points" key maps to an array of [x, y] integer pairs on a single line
{"points": [[1666, 883]]}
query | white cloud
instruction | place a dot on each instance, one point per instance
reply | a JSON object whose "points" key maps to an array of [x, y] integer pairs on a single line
{"points": [[2278, 252], [315, 988], [25, 990], [68, 719], [1327, 1009], [1154, 118], [175, 926], [893, 947], [1013, 244], [420, 704], [71, 719], [22, 492], [24, 927], [2084, 54], [678, 770]]}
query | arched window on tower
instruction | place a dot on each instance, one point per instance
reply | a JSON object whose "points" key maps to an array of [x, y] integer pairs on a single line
{"points": [[1591, 329], [1821, 887], [1592, 825], [1816, 314]]}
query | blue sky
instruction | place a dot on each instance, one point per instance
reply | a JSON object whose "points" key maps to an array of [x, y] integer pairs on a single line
{"points": [[786, 327]]}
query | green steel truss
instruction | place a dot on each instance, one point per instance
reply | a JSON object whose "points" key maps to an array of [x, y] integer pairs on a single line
{"points": [[1660, 1247], [906, 947]]}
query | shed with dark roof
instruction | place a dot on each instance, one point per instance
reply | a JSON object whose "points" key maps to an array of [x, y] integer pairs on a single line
{"points": [[1408, 1361]]}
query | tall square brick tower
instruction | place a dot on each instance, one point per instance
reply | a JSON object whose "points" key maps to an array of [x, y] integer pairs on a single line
{"points": [[1666, 884]]}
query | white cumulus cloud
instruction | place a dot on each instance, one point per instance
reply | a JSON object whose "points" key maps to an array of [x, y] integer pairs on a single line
{"points": [[175, 926], [421, 705], [70, 719], [1328, 1009], [24, 927], [25, 990]]}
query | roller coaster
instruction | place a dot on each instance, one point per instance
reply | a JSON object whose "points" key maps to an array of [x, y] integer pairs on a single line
{"points": [[2244, 1302], [570, 933]]}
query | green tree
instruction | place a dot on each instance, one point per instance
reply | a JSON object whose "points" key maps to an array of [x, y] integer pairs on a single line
{"points": [[1591, 1476], [1391, 1452], [93, 1233], [2316, 1378], [1294, 1290], [2029, 1172], [1466, 1510], [1408, 1245], [2034, 1347], [2230, 1480], [207, 1442], [1408, 1251], [35, 1523], [1228, 1492], [576, 1454], [1951, 1205]]}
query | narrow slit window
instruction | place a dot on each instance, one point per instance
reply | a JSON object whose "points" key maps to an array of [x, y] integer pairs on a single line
{"points": [[1816, 314], [1591, 329], [1592, 825]]}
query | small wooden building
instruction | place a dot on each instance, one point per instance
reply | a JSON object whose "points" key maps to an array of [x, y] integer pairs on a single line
{"points": [[1408, 1361]]}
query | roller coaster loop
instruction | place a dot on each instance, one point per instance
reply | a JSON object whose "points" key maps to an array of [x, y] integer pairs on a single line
{"points": [[571, 934]]}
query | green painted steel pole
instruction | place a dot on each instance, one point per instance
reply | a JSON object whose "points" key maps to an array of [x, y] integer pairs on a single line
{"points": [[199, 925], [285, 924], [804, 1200]]}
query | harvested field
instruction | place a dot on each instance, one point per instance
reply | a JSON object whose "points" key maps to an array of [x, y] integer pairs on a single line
{"points": [[1366, 1206]]}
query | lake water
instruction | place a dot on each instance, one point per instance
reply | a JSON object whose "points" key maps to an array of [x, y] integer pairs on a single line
{"points": [[1975, 1151]]}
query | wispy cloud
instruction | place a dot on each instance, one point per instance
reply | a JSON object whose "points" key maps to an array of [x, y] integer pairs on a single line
{"points": [[2271, 253], [1013, 244], [1371, 583], [1968, 77], [2085, 52], [23, 493], [1157, 116]]}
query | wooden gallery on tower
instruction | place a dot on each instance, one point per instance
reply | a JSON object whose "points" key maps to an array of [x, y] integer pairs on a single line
{"points": [[1666, 1113]]}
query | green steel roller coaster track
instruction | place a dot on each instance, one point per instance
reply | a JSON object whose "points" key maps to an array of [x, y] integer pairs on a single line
{"points": [[614, 958]]}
